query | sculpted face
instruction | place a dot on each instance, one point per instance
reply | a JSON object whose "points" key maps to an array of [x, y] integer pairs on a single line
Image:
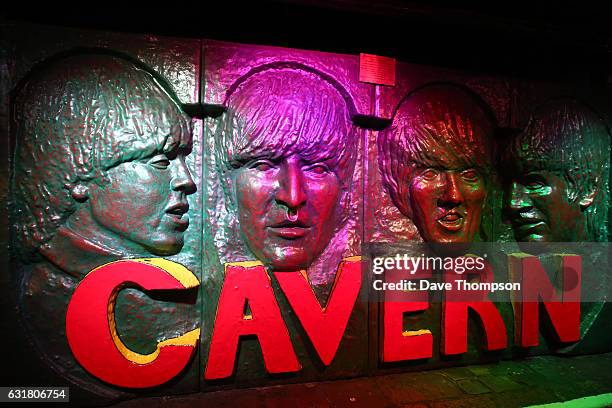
{"points": [[119, 182], [540, 210], [556, 171], [143, 203], [288, 154], [434, 161], [447, 203], [287, 208]]}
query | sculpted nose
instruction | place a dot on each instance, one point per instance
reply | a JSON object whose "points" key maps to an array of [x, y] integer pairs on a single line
{"points": [[291, 191], [181, 179], [518, 199], [451, 195]]}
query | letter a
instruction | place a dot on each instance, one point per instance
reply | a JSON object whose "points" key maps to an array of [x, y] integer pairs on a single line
{"points": [[249, 282]]}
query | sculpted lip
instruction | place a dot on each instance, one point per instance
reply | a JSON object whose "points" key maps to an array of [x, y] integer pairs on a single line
{"points": [[451, 221], [288, 229], [176, 212]]}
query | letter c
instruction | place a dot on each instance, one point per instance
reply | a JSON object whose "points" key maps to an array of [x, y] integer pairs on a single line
{"points": [[92, 334]]}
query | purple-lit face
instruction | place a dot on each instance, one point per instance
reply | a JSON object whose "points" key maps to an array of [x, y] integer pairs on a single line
{"points": [[288, 208], [290, 149]]}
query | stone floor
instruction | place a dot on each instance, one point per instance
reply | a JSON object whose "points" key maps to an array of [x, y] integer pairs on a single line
{"points": [[537, 380]]}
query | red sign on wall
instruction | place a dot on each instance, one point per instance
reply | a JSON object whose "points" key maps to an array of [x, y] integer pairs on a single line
{"points": [[376, 69]]}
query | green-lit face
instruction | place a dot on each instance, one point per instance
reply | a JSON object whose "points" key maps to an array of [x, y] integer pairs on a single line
{"points": [[143, 202], [540, 210]]}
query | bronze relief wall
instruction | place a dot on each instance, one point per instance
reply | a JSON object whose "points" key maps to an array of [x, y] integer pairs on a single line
{"points": [[210, 153]]}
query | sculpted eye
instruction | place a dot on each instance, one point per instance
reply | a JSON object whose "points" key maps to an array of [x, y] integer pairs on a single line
{"points": [[429, 174], [470, 175], [261, 165], [534, 182], [159, 161], [318, 168]]}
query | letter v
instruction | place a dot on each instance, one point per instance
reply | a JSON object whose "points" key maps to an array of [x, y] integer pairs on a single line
{"points": [[324, 326]]}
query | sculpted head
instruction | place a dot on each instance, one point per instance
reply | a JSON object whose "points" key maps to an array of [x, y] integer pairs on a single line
{"points": [[557, 175], [288, 153], [435, 160], [100, 151]]}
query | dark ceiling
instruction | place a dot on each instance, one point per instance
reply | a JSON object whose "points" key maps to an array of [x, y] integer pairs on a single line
{"points": [[549, 40]]}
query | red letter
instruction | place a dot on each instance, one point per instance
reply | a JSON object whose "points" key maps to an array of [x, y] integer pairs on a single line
{"points": [[91, 331], [400, 345], [324, 326], [249, 282], [564, 313], [455, 315]]}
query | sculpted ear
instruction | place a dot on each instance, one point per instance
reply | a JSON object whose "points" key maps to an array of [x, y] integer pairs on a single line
{"points": [[79, 192], [588, 199]]}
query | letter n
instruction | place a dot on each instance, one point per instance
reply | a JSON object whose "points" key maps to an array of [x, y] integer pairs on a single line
{"points": [[248, 283], [455, 315], [563, 310]]}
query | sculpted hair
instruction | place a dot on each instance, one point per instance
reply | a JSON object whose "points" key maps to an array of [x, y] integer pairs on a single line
{"points": [[438, 125], [279, 112], [73, 119], [566, 137]]}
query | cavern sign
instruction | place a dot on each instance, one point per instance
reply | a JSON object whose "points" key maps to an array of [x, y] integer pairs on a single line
{"points": [[96, 344]]}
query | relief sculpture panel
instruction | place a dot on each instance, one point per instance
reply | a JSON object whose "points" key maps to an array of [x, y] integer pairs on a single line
{"points": [[555, 176], [259, 170], [103, 170], [284, 188], [436, 163]]}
